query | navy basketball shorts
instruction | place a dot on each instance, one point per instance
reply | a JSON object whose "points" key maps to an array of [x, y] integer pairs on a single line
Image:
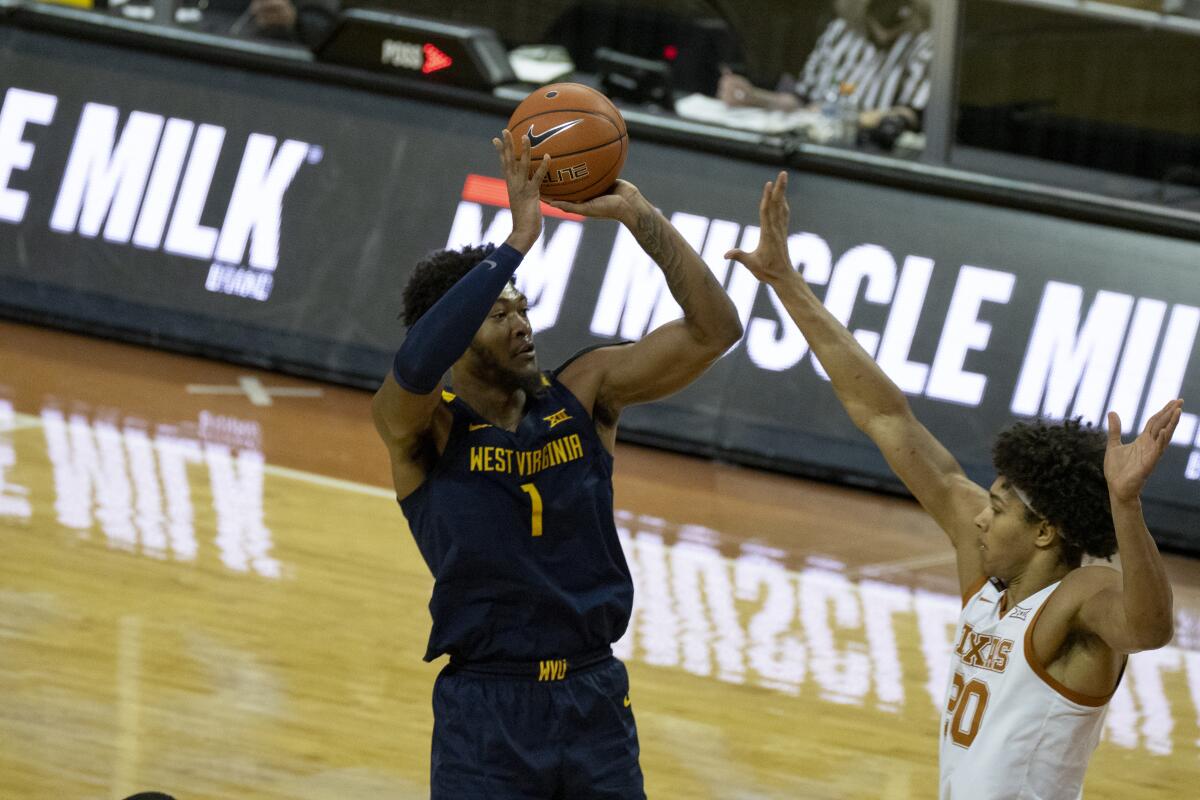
{"points": [[558, 733]]}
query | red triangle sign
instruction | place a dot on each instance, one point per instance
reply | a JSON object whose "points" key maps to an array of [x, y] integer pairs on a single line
{"points": [[435, 59]]}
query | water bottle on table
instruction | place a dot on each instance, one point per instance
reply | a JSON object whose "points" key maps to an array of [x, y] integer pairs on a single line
{"points": [[847, 111], [840, 116]]}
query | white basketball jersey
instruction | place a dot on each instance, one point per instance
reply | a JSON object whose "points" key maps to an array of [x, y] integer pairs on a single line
{"points": [[1011, 731]]}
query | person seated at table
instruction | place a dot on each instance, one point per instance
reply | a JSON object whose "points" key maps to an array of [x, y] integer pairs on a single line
{"points": [[880, 49], [304, 21]]}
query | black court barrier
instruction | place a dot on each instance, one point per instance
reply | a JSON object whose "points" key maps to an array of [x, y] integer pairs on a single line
{"points": [[272, 220]]}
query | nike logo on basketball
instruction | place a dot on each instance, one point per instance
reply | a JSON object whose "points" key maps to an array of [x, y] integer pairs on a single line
{"points": [[537, 138]]}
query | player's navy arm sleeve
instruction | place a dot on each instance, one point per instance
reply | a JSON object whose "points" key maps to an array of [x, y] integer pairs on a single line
{"points": [[445, 331]]}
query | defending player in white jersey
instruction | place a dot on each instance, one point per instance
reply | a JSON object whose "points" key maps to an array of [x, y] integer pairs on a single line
{"points": [[1041, 646]]}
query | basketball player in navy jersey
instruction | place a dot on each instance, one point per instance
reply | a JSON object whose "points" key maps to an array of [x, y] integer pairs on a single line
{"points": [[506, 481], [1042, 641]]}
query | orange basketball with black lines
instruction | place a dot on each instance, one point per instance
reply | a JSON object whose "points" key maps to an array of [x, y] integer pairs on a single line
{"points": [[581, 130]]}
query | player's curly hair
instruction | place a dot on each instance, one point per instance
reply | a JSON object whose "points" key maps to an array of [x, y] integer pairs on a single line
{"points": [[435, 274], [1060, 467]]}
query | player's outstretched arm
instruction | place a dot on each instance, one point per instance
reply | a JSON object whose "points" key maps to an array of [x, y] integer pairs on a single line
{"points": [[406, 405], [675, 354], [873, 401], [1137, 615]]}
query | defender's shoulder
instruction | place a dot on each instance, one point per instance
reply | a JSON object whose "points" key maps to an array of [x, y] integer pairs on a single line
{"points": [[1092, 576], [1083, 583]]}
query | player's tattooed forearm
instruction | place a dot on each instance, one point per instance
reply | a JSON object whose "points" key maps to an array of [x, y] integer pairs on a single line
{"points": [[665, 252], [648, 232]]}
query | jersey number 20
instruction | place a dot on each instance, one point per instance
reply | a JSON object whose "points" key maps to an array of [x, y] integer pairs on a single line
{"points": [[962, 730]]}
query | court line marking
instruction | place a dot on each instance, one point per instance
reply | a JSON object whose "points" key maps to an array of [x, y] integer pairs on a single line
{"points": [[21, 422], [129, 696], [901, 565], [25, 421], [876, 570], [254, 389], [331, 483], [867, 570]]}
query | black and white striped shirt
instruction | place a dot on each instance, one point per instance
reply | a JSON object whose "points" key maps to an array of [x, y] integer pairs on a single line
{"points": [[898, 76]]}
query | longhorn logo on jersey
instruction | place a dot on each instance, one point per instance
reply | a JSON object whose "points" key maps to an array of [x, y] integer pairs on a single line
{"points": [[983, 650]]}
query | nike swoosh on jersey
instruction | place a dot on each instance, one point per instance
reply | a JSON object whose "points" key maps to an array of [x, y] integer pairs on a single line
{"points": [[538, 138], [478, 427]]}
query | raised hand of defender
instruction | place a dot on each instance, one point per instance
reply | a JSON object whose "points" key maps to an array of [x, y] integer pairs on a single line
{"points": [[524, 189], [1128, 466], [769, 261]]}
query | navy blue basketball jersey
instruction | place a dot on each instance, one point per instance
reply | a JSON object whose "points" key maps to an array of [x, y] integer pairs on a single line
{"points": [[517, 529]]}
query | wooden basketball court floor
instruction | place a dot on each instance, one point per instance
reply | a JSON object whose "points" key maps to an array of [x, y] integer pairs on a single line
{"points": [[206, 588]]}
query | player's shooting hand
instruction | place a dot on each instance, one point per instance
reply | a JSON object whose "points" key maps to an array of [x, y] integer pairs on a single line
{"points": [[769, 261], [1128, 466], [524, 188], [621, 202], [273, 13]]}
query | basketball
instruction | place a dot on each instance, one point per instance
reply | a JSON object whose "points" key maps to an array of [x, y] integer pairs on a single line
{"points": [[581, 130]]}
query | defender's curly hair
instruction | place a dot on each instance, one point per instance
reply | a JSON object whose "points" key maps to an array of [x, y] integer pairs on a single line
{"points": [[1060, 467], [435, 274]]}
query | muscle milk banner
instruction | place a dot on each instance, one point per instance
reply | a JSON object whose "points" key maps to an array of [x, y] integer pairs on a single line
{"points": [[267, 219]]}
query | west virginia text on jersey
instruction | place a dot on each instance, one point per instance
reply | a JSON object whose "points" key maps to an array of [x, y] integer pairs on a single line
{"points": [[517, 529], [526, 462]]}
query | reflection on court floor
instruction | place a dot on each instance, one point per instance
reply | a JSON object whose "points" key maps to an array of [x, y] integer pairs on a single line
{"points": [[130, 481], [171, 492], [750, 620]]}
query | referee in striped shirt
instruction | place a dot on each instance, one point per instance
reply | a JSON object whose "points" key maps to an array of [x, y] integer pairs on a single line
{"points": [[881, 47]]}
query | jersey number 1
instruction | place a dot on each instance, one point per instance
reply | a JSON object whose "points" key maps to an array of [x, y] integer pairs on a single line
{"points": [[535, 500]]}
